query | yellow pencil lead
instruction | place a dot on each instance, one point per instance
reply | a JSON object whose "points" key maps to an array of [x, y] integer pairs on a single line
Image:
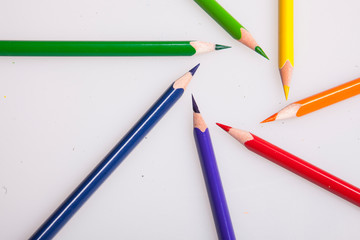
{"points": [[286, 91]]}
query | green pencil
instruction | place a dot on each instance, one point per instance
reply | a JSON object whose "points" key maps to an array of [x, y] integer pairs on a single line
{"points": [[106, 48], [229, 23]]}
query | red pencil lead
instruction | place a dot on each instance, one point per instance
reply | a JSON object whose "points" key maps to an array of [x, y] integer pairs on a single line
{"points": [[226, 128]]}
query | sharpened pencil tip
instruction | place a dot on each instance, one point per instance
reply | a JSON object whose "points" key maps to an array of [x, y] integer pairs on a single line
{"points": [[220, 47], [261, 52], [270, 119], [193, 70], [226, 128], [286, 91], [194, 105]]}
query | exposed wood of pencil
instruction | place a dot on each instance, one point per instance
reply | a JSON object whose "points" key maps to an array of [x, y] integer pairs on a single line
{"points": [[199, 122], [204, 47], [247, 39], [286, 73], [296, 165], [286, 43], [318, 101], [183, 81]]}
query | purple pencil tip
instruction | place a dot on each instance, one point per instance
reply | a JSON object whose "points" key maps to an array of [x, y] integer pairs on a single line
{"points": [[193, 70], [194, 105]]}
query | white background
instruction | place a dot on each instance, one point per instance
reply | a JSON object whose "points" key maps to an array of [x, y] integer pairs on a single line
{"points": [[60, 116]]}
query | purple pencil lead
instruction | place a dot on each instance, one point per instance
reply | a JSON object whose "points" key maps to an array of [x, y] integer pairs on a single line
{"points": [[194, 105]]}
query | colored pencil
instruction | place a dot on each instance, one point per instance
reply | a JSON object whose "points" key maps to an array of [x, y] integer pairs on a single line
{"points": [[212, 176], [318, 101], [106, 48], [99, 174], [286, 42], [296, 165], [230, 24]]}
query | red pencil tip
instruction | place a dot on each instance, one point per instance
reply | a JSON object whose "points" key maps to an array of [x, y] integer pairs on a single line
{"points": [[270, 119], [226, 128]]}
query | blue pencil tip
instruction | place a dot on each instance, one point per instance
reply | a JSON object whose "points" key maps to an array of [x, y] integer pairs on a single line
{"points": [[193, 70], [194, 105]]}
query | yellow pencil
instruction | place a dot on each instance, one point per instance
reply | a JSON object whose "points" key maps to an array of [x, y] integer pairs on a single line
{"points": [[286, 42]]}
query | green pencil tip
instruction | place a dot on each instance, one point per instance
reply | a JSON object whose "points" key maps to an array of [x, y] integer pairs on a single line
{"points": [[220, 47], [261, 52]]}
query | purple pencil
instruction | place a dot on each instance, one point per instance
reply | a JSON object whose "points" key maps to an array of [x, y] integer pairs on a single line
{"points": [[212, 178]]}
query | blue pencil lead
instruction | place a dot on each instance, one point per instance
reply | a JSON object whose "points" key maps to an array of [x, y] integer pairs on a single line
{"points": [[193, 70]]}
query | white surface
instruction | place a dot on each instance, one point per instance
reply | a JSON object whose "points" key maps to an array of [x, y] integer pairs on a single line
{"points": [[61, 116]]}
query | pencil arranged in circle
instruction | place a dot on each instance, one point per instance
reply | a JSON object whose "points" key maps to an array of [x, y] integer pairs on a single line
{"points": [[295, 165], [212, 178], [230, 24], [99, 174], [318, 101], [286, 43], [106, 48]]}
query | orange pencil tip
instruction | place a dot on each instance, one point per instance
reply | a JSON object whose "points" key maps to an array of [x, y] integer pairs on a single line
{"points": [[226, 128], [270, 119]]}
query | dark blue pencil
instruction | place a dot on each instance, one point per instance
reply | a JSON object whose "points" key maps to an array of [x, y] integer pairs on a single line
{"points": [[212, 178], [89, 185]]}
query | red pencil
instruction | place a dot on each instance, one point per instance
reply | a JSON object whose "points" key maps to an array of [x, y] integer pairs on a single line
{"points": [[296, 165]]}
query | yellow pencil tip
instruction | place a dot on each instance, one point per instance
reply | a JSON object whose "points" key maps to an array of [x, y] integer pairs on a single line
{"points": [[286, 91], [270, 119]]}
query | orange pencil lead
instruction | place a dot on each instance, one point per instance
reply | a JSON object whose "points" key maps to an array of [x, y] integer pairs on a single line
{"points": [[270, 119]]}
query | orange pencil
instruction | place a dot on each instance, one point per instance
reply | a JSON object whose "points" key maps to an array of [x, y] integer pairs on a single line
{"points": [[318, 101]]}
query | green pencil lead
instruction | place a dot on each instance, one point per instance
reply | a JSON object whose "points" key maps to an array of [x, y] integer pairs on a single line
{"points": [[220, 47], [261, 52]]}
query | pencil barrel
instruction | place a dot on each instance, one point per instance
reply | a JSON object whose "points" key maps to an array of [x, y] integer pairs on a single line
{"points": [[286, 32], [103, 170], [329, 97], [305, 169], [222, 17], [214, 186], [96, 48]]}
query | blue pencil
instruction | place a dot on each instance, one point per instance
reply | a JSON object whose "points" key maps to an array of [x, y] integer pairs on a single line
{"points": [[89, 185], [212, 178]]}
